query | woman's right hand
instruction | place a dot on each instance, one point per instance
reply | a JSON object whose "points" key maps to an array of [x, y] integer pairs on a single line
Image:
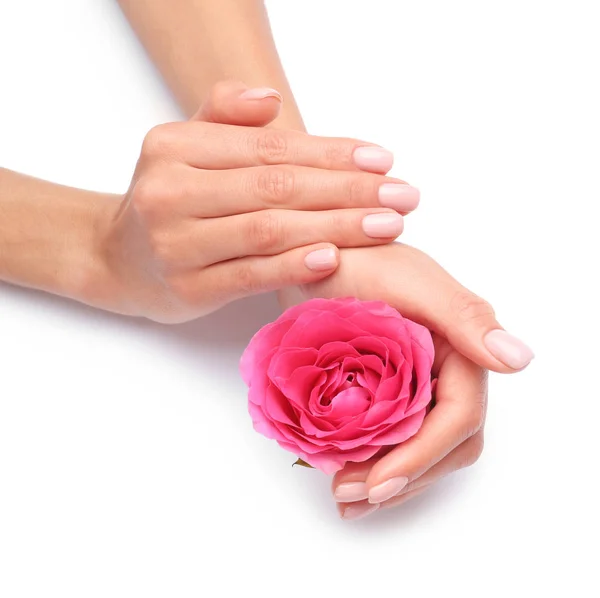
{"points": [[216, 212]]}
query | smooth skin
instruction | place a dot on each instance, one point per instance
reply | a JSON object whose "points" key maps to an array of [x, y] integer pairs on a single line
{"points": [[452, 435], [214, 212], [166, 248], [468, 340]]}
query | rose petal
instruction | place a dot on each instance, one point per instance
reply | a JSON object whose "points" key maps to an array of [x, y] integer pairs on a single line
{"points": [[316, 329], [277, 407], [401, 431], [285, 361], [351, 401], [298, 387], [373, 366], [264, 341], [331, 462], [333, 352]]}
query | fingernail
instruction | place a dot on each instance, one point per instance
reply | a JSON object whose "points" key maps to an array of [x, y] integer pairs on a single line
{"points": [[387, 489], [508, 349], [351, 492], [374, 159], [260, 93], [381, 226], [358, 511], [321, 259], [402, 198]]}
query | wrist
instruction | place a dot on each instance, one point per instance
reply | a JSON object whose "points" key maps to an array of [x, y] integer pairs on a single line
{"points": [[92, 279]]}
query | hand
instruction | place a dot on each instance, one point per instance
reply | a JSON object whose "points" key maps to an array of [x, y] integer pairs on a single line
{"points": [[215, 212], [468, 341]]}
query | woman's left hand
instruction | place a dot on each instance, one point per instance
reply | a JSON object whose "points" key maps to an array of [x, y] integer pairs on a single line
{"points": [[468, 341]]}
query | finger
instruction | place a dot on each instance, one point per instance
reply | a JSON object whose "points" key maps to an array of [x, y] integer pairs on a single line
{"points": [[455, 313], [459, 413], [212, 193], [464, 455], [252, 275], [234, 103], [220, 147], [270, 232], [348, 485], [358, 510], [398, 500]]}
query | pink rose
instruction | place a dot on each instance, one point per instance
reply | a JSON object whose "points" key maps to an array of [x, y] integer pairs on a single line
{"points": [[337, 380]]}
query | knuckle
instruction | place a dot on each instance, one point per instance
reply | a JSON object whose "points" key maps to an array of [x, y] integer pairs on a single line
{"points": [[246, 281], [275, 185], [160, 141], [338, 222], [271, 146], [470, 308], [150, 193], [144, 196], [357, 190], [474, 451], [337, 153], [474, 419], [265, 232]]}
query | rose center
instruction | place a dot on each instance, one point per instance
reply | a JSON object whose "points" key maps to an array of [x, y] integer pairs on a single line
{"points": [[348, 380]]}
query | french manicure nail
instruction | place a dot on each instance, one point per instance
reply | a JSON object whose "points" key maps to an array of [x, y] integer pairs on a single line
{"points": [[374, 159], [358, 511], [387, 489], [260, 93], [508, 349], [402, 198], [321, 259], [383, 226], [350, 492]]}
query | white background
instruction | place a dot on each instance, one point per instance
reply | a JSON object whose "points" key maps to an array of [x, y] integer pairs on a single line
{"points": [[128, 464]]}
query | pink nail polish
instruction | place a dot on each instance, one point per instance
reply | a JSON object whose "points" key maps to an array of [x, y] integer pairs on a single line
{"points": [[383, 226], [260, 93], [350, 492], [374, 159], [358, 511], [402, 198], [321, 259], [508, 349], [387, 489]]}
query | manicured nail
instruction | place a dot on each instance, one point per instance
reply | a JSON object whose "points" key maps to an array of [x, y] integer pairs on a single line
{"points": [[358, 511], [387, 489], [260, 93], [508, 349], [321, 259], [375, 159], [383, 226], [402, 198], [351, 492]]}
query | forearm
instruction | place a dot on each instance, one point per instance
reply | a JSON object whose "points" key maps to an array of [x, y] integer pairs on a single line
{"points": [[195, 43], [49, 237]]}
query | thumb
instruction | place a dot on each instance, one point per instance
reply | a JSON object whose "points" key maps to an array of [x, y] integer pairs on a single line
{"points": [[469, 324], [424, 292], [233, 103]]}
